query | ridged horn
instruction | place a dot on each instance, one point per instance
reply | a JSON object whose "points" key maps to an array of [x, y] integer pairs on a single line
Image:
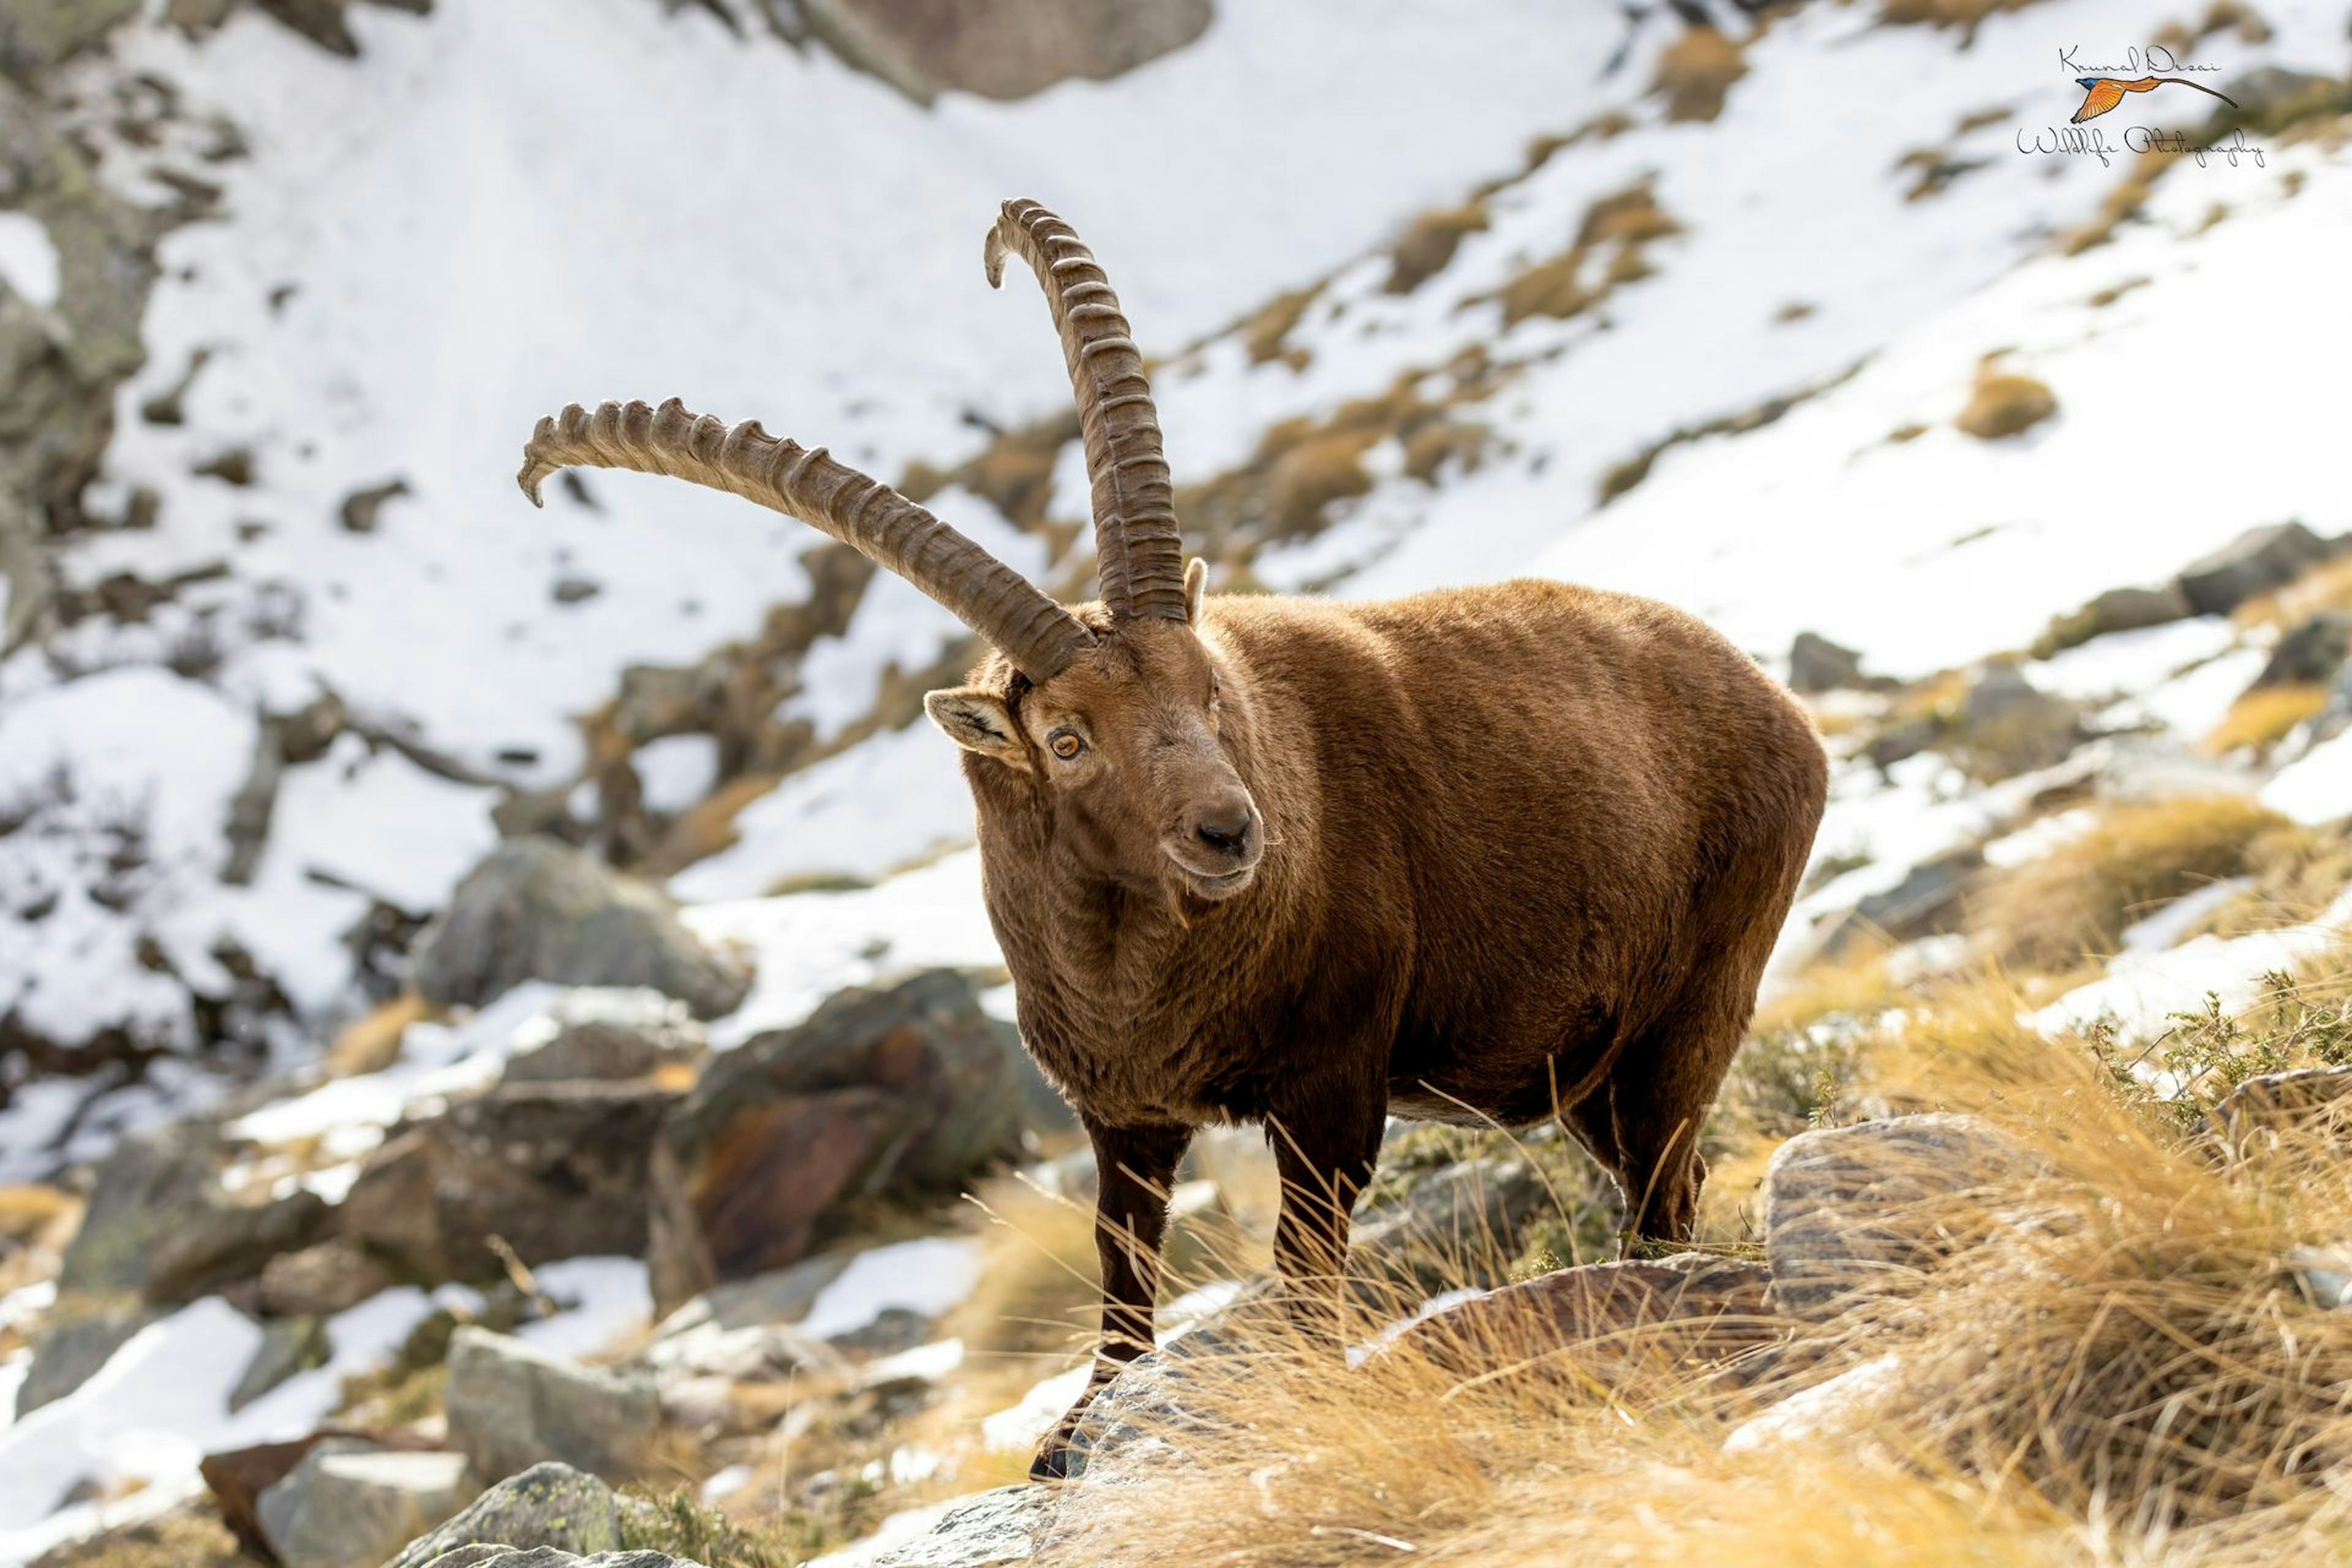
{"points": [[1037, 635], [1140, 554]]}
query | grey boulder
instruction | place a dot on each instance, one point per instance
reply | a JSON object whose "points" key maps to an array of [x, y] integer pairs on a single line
{"points": [[1000, 1526], [489, 1556], [161, 1223], [511, 1405], [2254, 562], [549, 1507], [2312, 652], [80, 1338], [1851, 1213], [897, 1095], [289, 1346], [604, 1032], [539, 910], [555, 1170], [345, 1506], [1816, 664]]}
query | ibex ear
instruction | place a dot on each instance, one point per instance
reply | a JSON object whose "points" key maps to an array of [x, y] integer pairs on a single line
{"points": [[1196, 583], [978, 719]]}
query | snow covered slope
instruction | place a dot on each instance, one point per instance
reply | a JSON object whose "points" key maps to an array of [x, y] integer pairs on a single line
{"points": [[499, 209]]}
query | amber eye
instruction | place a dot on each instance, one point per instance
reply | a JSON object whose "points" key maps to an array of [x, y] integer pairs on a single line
{"points": [[1066, 744]]}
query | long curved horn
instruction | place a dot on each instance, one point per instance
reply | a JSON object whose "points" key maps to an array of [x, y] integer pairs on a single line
{"points": [[1037, 635], [1141, 555]]}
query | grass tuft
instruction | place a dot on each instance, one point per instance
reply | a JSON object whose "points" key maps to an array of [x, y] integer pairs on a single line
{"points": [[2005, 404], [2076, 901], [2265, 716], [1429, 244], [2120, 1366], [1696, 72]]}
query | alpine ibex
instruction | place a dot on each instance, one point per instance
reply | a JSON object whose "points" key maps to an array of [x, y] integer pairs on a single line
{"points": [[1492, 854]]}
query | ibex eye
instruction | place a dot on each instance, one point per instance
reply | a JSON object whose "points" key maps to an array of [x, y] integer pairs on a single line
{"points": [[1066, 744]]}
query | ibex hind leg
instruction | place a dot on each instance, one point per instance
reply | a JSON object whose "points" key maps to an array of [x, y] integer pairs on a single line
{"points": [[1658, 1095]]}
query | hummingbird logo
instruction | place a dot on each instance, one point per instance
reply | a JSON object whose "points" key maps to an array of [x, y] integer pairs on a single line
{"points": [[2102, 93]]}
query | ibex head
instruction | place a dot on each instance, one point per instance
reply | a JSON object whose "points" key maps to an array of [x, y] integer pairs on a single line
{"points": [[1116, 719]]}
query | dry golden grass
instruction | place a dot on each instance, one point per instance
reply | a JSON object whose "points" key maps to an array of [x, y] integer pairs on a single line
{"points": [[1965, 14], [2122, 203], [2326, 587], [2293, 885], [1266, 334], [1553, 288], [1311, 475], [1697, 71], [1302, 467], [2106, 297], [370, 1041], [1429, 244], [2004, 404], [2221, 16], [28, 1213], [708, 825], [1629, 219], [1630, 216], [1606, 126], [2265, 716], [1037, 1299], [183, 1538], [2076, 900], [2122, 1370], [1015, 470], [1444, 441], [1856, 984]]}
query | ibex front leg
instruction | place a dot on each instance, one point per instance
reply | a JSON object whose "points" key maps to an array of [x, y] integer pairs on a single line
{"points": [[1134, 1166], [1326, 1151]]}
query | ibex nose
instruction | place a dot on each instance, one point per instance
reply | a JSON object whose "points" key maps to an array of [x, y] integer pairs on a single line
{"points": [[1225, 830]]}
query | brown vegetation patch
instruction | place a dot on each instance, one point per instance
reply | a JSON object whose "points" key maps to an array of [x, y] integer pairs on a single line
{"points": [[1309, 474], [371, 1042], [1967, 15], [2003, 403], [28, 1213], [2325, 587], [2221, 16], [1622, 477], [1428, 449], [2076, 901], [1934, 170], [1551, 287], [1015, 471], [1606, 126], [2108, 296], [184, 1538], [1304, 467], [1696, 72], [2265, 716], [1629, 220], [1266, 334], [2122, 202], [1429, 244]]}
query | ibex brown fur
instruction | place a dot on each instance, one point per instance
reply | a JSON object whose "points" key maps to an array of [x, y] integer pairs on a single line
{"points": [[1495, 854]]}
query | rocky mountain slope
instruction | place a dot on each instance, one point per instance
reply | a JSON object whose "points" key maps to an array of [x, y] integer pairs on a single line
{"points": [[349, 1050]]}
